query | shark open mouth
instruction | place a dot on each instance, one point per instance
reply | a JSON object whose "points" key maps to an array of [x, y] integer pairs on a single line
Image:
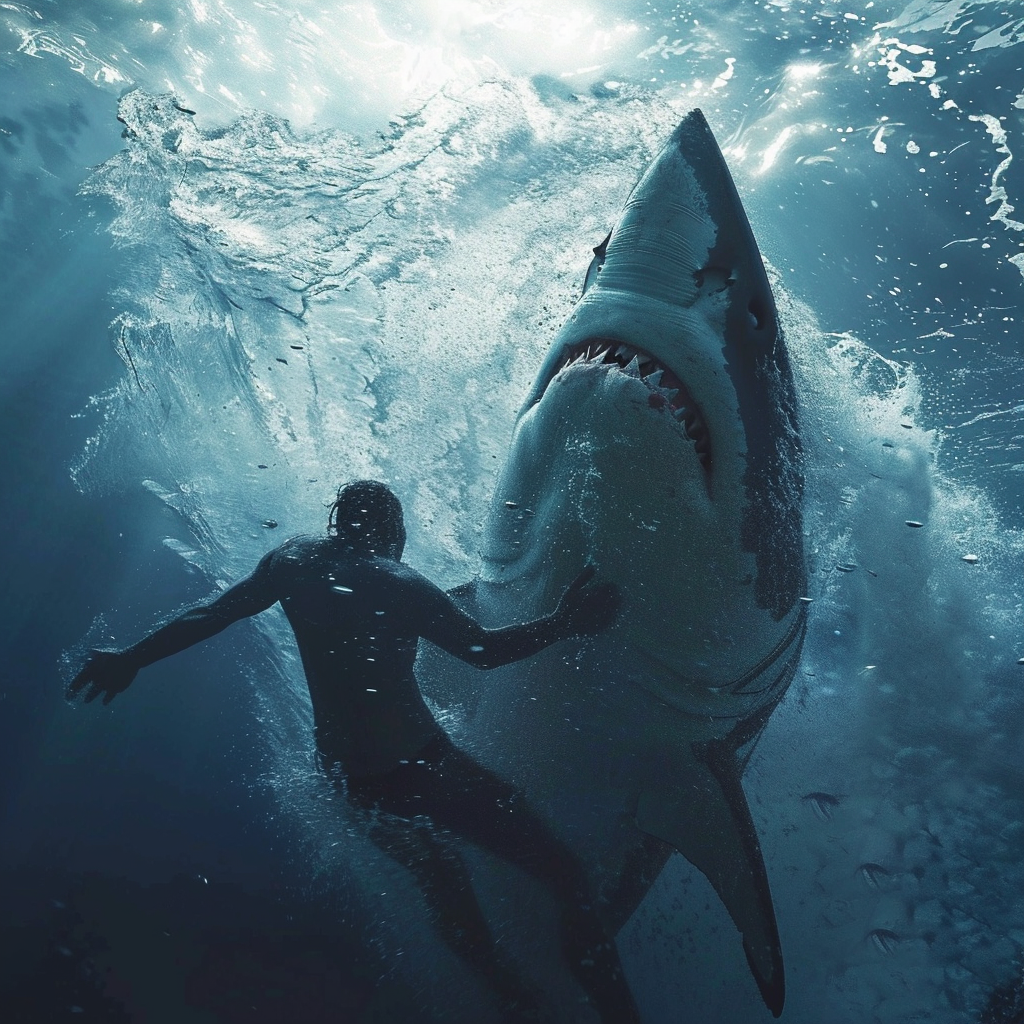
{"points": [[668, 393]]}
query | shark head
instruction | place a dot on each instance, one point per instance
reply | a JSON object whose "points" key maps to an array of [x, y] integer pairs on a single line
{"points": [[660, 438]]}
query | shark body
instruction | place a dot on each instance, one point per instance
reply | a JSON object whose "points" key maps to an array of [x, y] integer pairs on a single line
{"points": [[660, 442]]}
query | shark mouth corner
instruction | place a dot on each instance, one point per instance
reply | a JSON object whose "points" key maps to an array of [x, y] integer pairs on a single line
{"points": [[668, 393]]}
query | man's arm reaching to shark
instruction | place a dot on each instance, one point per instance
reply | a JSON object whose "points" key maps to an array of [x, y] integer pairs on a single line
{"points": [[584, 608]]}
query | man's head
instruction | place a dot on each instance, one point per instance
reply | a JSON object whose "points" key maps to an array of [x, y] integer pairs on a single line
{"points": [[367, 515]]}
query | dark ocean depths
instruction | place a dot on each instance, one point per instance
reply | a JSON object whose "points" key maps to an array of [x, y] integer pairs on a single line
{"points": [[334, 242]]}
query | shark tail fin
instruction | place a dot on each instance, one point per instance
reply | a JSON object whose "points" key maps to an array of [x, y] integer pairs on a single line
{"points": [[705, 816]]}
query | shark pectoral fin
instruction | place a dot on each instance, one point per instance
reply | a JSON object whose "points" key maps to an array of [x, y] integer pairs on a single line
{"points": [[706, 818]]}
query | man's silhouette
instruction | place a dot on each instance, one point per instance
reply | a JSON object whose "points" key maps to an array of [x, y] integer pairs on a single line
{"points": [[358, 613]]}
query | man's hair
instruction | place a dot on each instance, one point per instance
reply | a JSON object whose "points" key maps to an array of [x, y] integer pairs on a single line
{"points": [[367, 515]]}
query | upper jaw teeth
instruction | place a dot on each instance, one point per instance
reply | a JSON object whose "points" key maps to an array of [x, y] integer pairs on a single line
{"points": [[671, 392]]}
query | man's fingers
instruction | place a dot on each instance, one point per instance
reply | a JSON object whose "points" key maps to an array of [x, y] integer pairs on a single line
{"points": [[101, 675], [76, 686], [83, 679]]}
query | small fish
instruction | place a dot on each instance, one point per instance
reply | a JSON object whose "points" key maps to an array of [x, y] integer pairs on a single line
{"points": [[914, 523], [873, 874], [184, 110], [884, 941], [269, 524], [969, 559], [846, 566], [822, 804]]}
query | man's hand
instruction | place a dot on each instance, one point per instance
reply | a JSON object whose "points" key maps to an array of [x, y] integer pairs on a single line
{"points": [[106, 672], [586, 607]]}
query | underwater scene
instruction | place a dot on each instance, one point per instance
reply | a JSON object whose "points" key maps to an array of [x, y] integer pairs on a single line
{"points": [[762, 367]]}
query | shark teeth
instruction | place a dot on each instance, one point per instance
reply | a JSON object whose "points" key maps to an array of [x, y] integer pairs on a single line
{"points": [[667, 391]]}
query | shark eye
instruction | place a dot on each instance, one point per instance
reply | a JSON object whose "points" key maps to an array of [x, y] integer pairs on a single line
{"points": [[757, 314], [712, 279]]}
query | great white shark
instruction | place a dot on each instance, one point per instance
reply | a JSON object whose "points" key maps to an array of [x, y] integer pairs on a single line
{"points": [[659, 442]]}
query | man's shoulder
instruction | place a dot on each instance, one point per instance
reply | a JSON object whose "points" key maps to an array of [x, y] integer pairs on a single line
{"points": [[301, 541], [304, 553], [303, 549], [377, 565], [308, 550], [414, 585]]}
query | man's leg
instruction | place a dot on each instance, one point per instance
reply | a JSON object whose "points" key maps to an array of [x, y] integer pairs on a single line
{"points": [[461, 795], [447, 889]]}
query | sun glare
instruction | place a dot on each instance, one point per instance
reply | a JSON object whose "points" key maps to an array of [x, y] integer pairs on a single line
{"points": [[804, 72]]}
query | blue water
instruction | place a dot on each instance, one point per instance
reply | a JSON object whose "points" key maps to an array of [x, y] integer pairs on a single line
{"points": [[398, 200]]}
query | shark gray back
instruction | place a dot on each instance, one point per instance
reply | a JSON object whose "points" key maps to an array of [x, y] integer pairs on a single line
{"points": [[660, 442]]}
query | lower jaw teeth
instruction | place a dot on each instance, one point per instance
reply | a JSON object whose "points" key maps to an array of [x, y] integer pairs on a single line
{"points": [[628, 361]]}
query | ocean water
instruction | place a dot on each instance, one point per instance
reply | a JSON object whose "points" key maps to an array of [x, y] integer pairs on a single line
{"points": [[251, 251]]}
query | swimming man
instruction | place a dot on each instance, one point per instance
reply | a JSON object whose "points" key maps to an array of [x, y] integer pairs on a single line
{"points": [[358, 612]]}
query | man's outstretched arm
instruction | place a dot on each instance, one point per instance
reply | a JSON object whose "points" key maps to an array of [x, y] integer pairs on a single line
{"points": [[111, 672], [585, 608]]}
